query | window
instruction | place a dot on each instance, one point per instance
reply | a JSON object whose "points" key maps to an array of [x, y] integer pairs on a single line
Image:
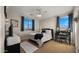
{"points": [[64, 22], [27, 24]]}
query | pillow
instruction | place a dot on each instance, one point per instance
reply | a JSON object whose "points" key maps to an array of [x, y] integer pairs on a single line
{"points": [[43, 31]]}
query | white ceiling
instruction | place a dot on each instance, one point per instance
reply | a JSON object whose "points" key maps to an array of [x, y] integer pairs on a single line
{"points": [[31, 11]]}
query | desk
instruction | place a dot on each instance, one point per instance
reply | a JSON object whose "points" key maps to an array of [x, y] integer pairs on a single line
{"points": [[62, 35]]}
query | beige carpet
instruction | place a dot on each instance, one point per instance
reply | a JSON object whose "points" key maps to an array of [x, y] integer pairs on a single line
{"points": [[56, 47]]}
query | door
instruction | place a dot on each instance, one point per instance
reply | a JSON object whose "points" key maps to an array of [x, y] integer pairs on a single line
{"points": [[77, 36]]}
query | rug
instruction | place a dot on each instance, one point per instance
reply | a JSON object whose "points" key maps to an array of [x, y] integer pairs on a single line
{"points": [[28, 47]]}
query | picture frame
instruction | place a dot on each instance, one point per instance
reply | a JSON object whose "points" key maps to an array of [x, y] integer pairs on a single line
{"points": [[15, 23]]}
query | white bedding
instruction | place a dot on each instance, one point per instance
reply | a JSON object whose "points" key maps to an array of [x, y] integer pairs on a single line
{"points": [[25, 34], [13, 40], [21, 33]]}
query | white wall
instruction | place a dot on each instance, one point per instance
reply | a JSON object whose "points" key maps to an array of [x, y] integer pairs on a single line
{"points": [[48, 23], [15, 16], [18, 17], [36, 25], [76, 11], [2, 29]]}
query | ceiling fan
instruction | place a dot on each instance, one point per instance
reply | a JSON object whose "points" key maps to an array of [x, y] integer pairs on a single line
{"points": [[37, 12]]}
